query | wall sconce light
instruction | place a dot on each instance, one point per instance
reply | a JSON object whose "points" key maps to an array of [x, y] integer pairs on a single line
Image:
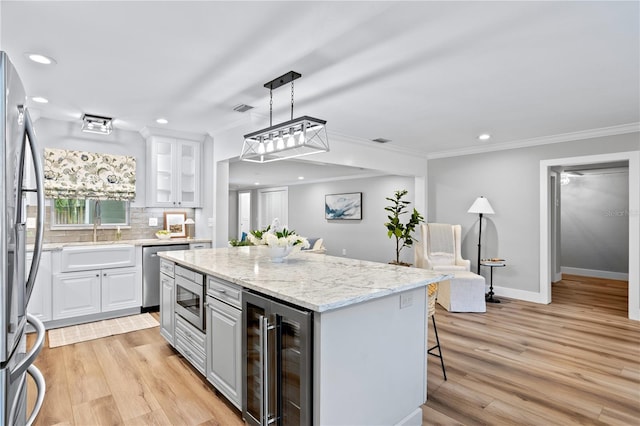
{"points": [[97, 124]]}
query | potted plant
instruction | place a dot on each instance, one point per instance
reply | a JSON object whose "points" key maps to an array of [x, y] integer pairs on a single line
{"points": [[402, 232]]}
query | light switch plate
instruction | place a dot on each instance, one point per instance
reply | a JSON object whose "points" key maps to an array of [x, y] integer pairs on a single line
{"points": [[153, 221], [31, 223]]}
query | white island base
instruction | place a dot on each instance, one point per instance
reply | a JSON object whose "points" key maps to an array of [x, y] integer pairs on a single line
{"points": [[370, 362]]}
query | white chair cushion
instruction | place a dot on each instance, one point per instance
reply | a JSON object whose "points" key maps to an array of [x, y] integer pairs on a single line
{"points": [[440, 258], [449, 268]]}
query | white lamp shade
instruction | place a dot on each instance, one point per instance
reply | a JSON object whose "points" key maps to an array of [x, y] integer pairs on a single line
{"points": [[481, 205], [189, 222]]}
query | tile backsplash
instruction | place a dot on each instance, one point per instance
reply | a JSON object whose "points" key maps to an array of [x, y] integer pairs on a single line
{"points": [[139, 227]]}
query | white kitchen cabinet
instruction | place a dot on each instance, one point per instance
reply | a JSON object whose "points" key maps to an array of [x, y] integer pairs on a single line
{"points": [[167, 313], [173, 176], [119, 289], [40, 302], [95, 291], [76, 294]]}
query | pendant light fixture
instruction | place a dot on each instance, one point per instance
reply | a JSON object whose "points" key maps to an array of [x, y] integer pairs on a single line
{"points": [[294, 138]]}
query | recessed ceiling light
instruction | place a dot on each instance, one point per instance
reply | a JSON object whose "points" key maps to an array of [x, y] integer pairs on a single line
{"points": [[300, 177], [256, 183], [484, 137], [162, 121], [41, 59], [40, 100]]}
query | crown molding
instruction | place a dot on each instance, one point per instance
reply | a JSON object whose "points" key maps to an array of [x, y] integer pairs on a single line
{"points": [[544, 140]]}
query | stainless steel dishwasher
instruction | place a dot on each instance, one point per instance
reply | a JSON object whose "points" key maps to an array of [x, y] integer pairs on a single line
{"points": [[151, 273]]}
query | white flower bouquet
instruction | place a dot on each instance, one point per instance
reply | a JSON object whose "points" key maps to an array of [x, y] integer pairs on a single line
{"points": [[281, 241], [283, 238]]}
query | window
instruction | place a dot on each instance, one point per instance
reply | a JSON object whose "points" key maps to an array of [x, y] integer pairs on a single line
{"points": [[68, 212]]}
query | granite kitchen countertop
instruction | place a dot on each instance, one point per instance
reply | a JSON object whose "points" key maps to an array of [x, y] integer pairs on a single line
{"points": [[314, 281]]}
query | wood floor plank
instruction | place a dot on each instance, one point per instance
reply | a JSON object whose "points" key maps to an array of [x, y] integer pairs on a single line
{"points": [[52, 366], [99, 411], [85, 373], [154, 418], [131, 393]]}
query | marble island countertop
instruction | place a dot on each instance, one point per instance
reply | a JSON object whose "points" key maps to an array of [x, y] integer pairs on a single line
{"points": [[314, 281]]}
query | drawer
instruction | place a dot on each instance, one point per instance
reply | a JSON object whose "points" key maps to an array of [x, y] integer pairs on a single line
{"points": [[198, 246], [166, 267], [195, 336], [225, 291], [195, 357], [194, 276]]}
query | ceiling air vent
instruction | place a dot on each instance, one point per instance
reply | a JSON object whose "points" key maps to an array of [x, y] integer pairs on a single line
{"points": [[381, 140], [242, 108]]}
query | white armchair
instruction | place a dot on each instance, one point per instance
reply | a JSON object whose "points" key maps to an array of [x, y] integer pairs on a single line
{"points": [[439, 248]]}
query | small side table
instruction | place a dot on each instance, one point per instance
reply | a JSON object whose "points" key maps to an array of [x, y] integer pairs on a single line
{"points": [[492, 264]]}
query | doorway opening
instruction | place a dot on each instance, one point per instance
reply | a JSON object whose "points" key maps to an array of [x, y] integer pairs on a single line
{"points": [[244, 214], [549, 266]]}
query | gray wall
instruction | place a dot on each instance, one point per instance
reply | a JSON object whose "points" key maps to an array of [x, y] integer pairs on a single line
{"points": [[365, 239], [595, 222], [510, 180]]}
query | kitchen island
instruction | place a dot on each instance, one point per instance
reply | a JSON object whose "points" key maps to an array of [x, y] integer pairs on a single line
{"points": [[369, 326]]}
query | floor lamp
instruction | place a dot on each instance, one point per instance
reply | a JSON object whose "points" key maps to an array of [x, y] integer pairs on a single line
{"points": [[481, 206]]}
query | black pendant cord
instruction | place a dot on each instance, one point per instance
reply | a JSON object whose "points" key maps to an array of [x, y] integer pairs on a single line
{"points": [[270, 107], [291, 99]]}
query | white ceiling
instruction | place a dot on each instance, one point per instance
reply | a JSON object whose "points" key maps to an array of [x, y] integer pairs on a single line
{"points": [[430, 76]]}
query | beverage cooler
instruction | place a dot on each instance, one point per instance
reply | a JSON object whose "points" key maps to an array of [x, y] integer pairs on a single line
{"points": [[277, 362]]}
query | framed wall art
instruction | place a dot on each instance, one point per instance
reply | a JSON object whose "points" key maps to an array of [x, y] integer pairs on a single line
{"points": [[174, 223], [347, 206]]}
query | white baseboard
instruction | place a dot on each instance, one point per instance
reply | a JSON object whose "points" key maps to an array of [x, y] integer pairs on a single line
{"points": [[413, 419], [595, 273], [512, 293]]}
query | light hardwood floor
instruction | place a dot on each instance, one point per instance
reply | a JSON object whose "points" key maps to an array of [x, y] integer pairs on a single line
{"points": [[576, 361], [127, 379]]}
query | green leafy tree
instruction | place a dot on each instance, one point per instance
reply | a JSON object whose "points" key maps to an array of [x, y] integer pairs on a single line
{"points": [[402, 232]]}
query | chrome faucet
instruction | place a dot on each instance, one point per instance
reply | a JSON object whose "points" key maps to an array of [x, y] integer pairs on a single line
{"points": [[97, 220]]}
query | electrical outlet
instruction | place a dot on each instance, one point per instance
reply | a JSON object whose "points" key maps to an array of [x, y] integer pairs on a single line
{"points": [[153, 221], [344, 252], [406, 300], [210, 222]]}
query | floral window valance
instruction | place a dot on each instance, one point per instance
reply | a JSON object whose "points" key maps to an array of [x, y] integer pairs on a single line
{"points": [[80, 174]]}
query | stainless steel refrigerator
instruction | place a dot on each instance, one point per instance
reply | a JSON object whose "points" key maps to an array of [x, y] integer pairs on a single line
{"points": [[16, 278], [277, 362]]}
